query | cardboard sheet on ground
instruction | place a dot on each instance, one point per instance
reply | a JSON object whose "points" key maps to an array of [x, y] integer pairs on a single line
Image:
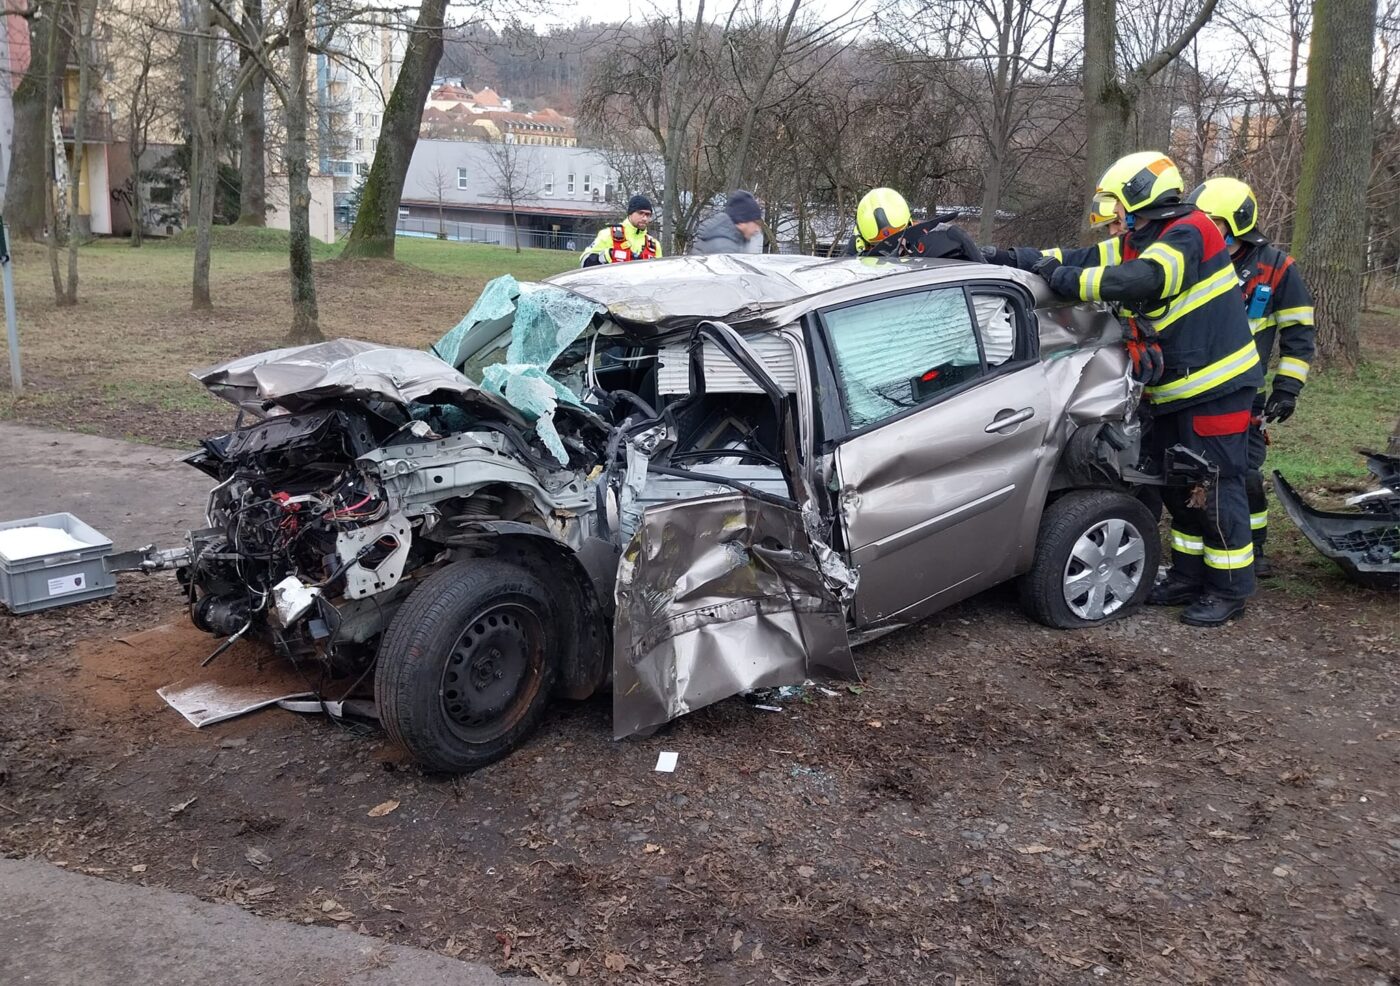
{"points": [[217, 694]]}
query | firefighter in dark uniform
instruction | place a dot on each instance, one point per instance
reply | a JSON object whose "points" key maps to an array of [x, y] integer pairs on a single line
{"points": [[1280, 309], [886, 228], [1190, 343]]}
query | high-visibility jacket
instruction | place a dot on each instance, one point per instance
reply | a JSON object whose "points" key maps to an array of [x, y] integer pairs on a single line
{"points": [[1286, 316], [622, 242], [1173, 274]]}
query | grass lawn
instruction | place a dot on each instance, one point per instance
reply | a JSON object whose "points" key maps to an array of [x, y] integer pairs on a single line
{"points": [[118, 363]]}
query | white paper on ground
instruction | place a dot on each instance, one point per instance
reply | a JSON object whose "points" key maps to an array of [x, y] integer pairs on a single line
{"points": [[666, 762], [19, 543]]}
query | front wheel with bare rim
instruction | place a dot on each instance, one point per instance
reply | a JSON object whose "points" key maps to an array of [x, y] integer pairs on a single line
{"points": [[466, 667], [1095, 559]]}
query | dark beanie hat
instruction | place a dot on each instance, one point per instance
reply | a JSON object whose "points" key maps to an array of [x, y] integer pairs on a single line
{"points": [[742, 207], [637, 203]]}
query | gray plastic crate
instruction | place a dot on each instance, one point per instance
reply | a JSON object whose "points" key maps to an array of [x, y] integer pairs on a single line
{"points": [[30, 584]]}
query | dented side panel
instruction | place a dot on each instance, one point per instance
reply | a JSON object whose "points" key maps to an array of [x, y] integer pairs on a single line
{"points": [[716, 596]]}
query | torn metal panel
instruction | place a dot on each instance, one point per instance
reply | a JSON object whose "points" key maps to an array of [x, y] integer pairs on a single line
{"points": [[1365, 545], [302, 376], [716, 596]]}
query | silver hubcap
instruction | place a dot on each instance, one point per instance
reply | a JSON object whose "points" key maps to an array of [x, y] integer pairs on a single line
{"points": [[1104, 569]]}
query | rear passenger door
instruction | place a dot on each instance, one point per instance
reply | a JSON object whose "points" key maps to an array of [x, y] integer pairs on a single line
{"points": [[944, 411]]}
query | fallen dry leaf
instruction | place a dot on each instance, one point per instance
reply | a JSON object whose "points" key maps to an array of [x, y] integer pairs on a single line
{"points": [[623, 803], [329, 905], [615, 961], [652, 847], [737, 943], [806, 872], [257, 857], [875, 724], [139, 868], [1034, 850], [573, 967], [380, 810]]}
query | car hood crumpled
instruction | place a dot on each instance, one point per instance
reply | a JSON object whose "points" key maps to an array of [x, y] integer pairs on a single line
{"points": [[300, 376]]}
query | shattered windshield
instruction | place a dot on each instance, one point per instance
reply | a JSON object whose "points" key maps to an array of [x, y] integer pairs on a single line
{"points": [[510, 340]]}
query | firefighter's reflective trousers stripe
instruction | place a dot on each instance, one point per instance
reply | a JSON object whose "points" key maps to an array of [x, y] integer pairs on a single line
{"points": [[1211, 543]]}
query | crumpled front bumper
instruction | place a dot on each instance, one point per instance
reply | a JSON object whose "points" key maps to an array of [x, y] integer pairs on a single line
{"points": [[1365, 546]]}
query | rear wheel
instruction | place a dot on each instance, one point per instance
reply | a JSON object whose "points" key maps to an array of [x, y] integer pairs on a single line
{"points": [[466, 667], [1095, 557]]}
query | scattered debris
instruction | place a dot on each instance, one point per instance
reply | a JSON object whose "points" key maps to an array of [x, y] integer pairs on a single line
{"points": [[666, 762], [380, 810]]}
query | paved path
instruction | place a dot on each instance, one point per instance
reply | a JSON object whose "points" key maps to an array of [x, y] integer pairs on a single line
{"points": [[135, 494], [64, 929]]}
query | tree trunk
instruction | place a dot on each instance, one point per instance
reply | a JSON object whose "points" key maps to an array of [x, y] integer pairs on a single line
{"points": [[86, 13], [1393, 446], [204, 164], [31, 150], [252, 157], [738, 160], [1106, 106], [1329, 230], [305, 319], [515, 222], [377, 221], [53, 147], [134, 152]]}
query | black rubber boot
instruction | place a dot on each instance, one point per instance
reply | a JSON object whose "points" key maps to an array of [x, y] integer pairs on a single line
{"points": [[1212, 611], [1170, 592], [1263, 568]]}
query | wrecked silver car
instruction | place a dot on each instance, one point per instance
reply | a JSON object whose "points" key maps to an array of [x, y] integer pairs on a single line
{"points": [[689, 478]]}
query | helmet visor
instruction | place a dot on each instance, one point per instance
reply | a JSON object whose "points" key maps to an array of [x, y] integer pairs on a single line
{"points": [[1102, 210]]}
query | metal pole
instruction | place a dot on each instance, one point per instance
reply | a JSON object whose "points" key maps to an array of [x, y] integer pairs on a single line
{"points": [[11, 329]]}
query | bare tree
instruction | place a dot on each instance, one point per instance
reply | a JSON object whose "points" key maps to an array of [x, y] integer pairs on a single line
{"points": [[1110, 98], [34, 99], [252, 157], [377, 220], [513, 176], [436, 184], [86, 14], [143, 87], [1329, 232]]}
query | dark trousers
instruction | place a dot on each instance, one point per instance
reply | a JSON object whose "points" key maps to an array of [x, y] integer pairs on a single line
{"points": [[1211, 543], [1254, 479]]}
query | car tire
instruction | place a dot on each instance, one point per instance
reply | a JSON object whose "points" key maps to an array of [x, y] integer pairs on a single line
{"points": [[1095, 559], [467, 665]]}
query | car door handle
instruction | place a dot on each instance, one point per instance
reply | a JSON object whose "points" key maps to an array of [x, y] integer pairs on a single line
{"points": [[1010, 419]]}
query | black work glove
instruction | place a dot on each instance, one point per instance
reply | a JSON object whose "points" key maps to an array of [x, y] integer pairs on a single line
{"points": [[1280, 405], [989, 254], [1046, 267]]}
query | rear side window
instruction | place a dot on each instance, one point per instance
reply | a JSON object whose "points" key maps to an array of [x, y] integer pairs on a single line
{"points": [[893, 354]]}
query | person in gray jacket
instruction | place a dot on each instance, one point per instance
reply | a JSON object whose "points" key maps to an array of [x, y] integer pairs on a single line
{"points": [[732, 230]]}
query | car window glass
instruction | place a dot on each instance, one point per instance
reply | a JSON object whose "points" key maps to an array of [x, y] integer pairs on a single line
{"points": [[896, 353]]}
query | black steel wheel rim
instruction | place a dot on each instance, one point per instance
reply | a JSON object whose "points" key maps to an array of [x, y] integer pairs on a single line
{"points": [[493, 671]]}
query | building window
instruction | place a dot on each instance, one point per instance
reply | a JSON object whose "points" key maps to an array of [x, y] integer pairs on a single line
{"points": [[361, 169], [587, 184], [549, 183], [359, 119], [571, 183], [462, 178], [374, 120], [359, 143]]}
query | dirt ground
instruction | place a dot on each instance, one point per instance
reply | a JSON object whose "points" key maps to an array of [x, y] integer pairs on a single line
{"points": [[995, 803]]}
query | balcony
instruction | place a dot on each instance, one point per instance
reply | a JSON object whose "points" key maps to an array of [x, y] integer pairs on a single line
{"points": [[97, 126]]}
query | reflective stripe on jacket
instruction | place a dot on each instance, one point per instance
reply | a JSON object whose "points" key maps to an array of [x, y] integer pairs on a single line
{"points": [[1175, 275]]}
